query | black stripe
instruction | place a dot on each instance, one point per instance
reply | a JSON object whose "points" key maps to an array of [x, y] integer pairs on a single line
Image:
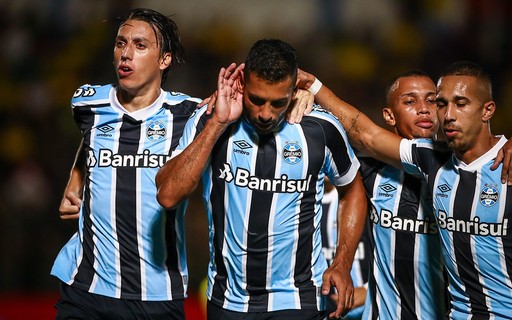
{"points": [[369, 170], [257, 229], [429, 160], [218, 158], [126, 217], [181, 113], [333, 140], [85, 272], [462, 244], [404, 246], [84, 116], [324, 230], [372, 286], [315, 140], [178, 290]]}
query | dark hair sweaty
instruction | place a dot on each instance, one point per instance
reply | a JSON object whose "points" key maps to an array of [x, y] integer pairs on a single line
{"points": [[166, 32], [272, 60]]}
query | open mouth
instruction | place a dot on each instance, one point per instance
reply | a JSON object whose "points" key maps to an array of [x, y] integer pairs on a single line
{"points": [[124, 70]]}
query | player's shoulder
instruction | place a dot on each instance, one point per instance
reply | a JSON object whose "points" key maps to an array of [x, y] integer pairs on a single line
{"points": [[320, 113], [180, 103], [91, 94], [175, 97], [322, 118]]}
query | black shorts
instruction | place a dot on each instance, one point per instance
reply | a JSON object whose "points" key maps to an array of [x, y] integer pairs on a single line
{"points": [[79, 304], [215, 312]]}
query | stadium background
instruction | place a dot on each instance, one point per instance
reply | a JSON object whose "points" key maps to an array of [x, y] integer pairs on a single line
{"points": [[50, 47]]}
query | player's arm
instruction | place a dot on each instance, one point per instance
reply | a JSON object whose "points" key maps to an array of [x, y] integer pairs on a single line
{"points": [[363, 133], [504, 156], [352, 206], [359, 296], [72, 199], [180, 176]]}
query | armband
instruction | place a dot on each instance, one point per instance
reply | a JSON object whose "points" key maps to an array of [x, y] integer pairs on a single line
{"points": [[315, 87]]}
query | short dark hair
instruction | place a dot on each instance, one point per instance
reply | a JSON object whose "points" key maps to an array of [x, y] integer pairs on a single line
{"points": [[166, 31], [272, 60], [406, 74], [470, 69]]}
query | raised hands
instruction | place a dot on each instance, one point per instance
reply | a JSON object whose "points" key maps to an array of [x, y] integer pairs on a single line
{"points": [[228, 99]]}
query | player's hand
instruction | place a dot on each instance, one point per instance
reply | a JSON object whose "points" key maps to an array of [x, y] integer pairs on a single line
{"points": [[70, 206], [228, 105], [341, 281], [504, 156], [210, 102], [304, 79], [302, 104]]}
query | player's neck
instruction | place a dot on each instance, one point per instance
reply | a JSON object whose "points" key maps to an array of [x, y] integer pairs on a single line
{"points": [[478, 149], [134, 102]]}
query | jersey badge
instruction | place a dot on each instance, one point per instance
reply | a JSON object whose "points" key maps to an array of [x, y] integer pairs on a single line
{"points": [[155, 131], [292, 153], [489, 195]]}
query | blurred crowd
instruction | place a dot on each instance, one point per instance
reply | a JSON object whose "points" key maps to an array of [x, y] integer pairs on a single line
{"points": [[50, 47]]}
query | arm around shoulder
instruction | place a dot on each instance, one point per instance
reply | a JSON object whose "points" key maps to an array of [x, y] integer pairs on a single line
{"points": [[364, 135]]}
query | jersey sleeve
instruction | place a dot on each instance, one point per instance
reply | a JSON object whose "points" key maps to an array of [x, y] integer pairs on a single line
{"points": [[193, 127], [407, 158], [341, 162], [85, 99], [420, 157]]}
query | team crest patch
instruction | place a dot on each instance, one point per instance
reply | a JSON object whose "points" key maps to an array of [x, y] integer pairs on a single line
{"points": [[292, 153], [489, 195], [155, 131]]}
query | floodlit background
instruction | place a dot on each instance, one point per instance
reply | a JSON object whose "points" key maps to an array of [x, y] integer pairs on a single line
{"points": [[51, 47]]}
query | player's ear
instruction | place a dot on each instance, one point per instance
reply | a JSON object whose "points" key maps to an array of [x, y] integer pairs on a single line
{"points": [[294, 92], [389, 116], [165, 61], [488, 110]]}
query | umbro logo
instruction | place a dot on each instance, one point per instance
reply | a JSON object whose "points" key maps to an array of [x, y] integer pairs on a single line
{"points": [[242, 144], [444, 188], [105, 131], [106, 128], [387, 187]]}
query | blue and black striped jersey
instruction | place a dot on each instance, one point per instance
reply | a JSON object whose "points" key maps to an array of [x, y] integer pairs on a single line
{"points": [[406, 279], [263, 200], [473, 210], [127, 246]]}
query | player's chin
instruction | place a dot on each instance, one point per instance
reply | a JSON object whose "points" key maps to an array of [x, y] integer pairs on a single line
{"points": [[266, 130]]}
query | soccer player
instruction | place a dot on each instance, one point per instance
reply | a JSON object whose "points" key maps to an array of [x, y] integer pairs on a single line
{"points": [[359, 271], [262, 184], [127, 259], [406, 278], [471, 202]]}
